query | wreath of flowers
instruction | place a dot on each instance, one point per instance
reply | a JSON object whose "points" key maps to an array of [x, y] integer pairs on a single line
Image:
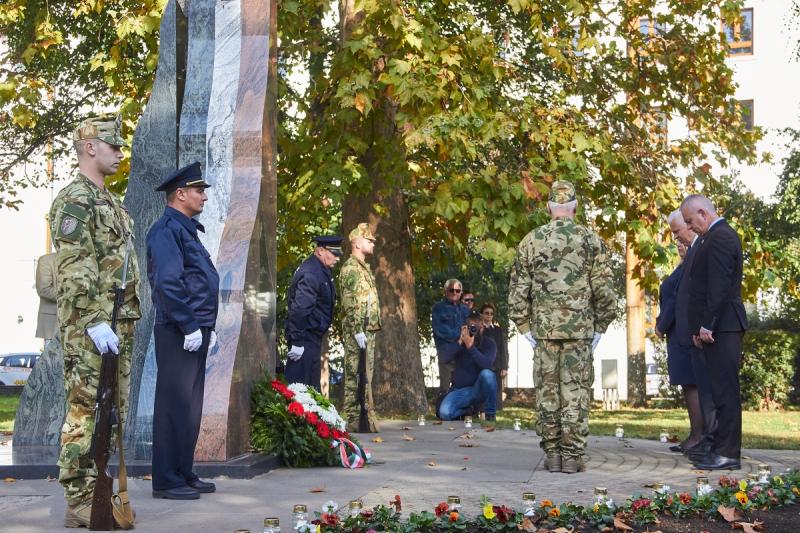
{"points": [[297, 424]]}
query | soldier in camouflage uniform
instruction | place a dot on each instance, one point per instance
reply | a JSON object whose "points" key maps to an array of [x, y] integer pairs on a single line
{"points": [[361, 319], [560, 298], [90, 229]]}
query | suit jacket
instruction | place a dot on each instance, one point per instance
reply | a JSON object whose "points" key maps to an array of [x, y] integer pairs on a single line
{"points": [[667, 295], [715, 282], [46, 272]]}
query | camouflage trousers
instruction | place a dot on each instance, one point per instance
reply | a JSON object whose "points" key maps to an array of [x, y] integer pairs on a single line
{"points": [[563, 374], [77, 472], [351, 405]]}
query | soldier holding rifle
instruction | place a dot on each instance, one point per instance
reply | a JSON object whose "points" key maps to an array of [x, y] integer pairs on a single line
{"points": [[361, 319], [91, 230]]}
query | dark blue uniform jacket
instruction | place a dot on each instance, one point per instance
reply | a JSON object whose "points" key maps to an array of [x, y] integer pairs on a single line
{"points": [[312, 296], [183, 279]]}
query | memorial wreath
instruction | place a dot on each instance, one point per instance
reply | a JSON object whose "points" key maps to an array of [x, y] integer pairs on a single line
{"points": [[303, 428]]}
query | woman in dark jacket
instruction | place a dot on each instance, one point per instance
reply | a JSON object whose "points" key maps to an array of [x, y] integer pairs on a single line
{"points": [[496, 333]]}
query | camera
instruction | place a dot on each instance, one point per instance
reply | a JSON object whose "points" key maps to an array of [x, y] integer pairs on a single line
{"points": [[473, 329]]}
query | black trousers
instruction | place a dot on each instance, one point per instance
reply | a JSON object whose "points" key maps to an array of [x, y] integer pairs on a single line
{"points": [[722, 359], [307, 369], [178, 408], [703, 382]]}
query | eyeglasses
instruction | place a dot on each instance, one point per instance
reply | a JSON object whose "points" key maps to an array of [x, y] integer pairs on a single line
{"points": [[453, 290], [468, 300]]}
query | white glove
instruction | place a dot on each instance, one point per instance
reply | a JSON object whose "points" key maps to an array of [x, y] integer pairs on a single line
{"points": [[361, 339], [104, 338], [596, 340], [296, 352], [530, 339], [212, 340], [192, 341]]}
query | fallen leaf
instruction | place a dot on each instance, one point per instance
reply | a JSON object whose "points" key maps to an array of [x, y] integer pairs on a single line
{"points": [[321, 488], [467, 435], [561, 530], [377, 439], [147, 477], [463, 468], [468, 445], [432, 463], [749, 527], [619, 524], [466, 458], [451, 428], [527, 525], [437, 422], [488, 429], [406, 428], [607, 529], [408, 437], [729, 513], [9, 480]]}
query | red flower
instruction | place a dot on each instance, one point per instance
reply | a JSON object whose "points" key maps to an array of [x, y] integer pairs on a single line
{"points": [[441, 509], [323, 430], [311, 418], [504, 514], [287, 394], [296, 408], [330, 519], [338, 435], [685, 498], [398, 505], [642, 503]]}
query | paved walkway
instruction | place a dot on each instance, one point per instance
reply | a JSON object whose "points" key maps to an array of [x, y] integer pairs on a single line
{"points": [[441, 460]]}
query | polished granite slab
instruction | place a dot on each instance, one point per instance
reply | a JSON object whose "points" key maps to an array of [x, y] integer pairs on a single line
{"points": [[41, 408]]}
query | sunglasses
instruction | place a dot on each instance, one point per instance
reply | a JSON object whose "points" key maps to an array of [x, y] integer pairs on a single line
{"points": [[453, 290], [468, 299]]}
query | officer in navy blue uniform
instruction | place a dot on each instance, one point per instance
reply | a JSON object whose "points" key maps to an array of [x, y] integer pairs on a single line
{"points": [[312, 296], [185, 287]]}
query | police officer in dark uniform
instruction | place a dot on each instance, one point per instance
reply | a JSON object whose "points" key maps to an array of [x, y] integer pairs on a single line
{"points": [[312, 296], [185, 287]]}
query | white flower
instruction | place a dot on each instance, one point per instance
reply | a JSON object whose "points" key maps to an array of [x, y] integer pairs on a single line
{"points": [[329, 415]]}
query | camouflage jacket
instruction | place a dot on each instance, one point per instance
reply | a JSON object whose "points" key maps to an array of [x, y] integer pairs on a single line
{"points": [[90, 229], [357, 287], [561, 286]]}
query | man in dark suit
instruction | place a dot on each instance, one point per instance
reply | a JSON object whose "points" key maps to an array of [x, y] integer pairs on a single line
{"points": [[717, 321]]}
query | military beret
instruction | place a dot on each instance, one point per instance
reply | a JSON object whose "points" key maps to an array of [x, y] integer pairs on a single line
{"points": [[105, 127], [332, 243], [188, 176], [362, 230], [562, 192]]}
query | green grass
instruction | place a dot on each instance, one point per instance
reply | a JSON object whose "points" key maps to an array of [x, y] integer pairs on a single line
{"points": [[8, 410], [765, 430]]}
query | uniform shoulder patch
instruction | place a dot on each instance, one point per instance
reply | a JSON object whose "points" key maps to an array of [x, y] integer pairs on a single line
{"points": [[68, 225], [73, 217]]}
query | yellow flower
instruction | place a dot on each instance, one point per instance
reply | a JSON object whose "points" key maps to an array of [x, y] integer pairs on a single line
{"points": [[596, 508], [547, 503], [778, 479], [488, 512], [742, 497], [554, 512], [743, 485], [796, 491], [318, 529]]}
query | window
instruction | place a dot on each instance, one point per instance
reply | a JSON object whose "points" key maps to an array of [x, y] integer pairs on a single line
{"points": [[746, 107], [740, 35]]}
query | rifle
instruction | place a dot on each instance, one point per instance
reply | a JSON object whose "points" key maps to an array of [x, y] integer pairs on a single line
{"points": [[106, 505], [363, 417]]}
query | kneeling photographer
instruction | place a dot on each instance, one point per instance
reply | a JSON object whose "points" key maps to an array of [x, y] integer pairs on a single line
{"points": [[474, 382]]}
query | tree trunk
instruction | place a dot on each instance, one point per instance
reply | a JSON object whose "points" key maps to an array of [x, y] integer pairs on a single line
{"points": [[398, 383], [634, 295]]}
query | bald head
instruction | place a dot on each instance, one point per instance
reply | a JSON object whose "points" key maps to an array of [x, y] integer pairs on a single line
{"points": [[698, 213]]}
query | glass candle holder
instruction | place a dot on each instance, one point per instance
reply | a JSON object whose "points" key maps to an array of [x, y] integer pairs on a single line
{"points": [[600, 495], [517, 424], [355, 507], [664, 436], [619, 432], [702, 486], [467, 421], [660, 487], [299, 517], [453, 503], [272, 525], [421, 420], [764, 473], [528, 503]]}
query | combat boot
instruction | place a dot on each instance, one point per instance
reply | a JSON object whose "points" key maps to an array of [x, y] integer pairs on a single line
{"points": [[78, 515], [553, 462], [572, 465]]}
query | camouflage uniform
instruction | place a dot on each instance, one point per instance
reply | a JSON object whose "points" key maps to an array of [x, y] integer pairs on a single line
{"points": [[561, 292], [90, 229], [359, 304]]}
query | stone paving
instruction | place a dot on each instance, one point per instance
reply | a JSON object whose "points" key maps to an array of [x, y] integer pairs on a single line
{"points": [[439, 461]]}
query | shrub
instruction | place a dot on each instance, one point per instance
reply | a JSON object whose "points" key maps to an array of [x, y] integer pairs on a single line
{"points": [[768, 368]]}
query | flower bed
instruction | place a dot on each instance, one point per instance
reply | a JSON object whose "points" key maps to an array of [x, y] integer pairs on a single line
{"points": [[297, 424], [732, 501]]}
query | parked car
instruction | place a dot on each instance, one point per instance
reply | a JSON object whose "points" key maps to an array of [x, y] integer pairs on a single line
{"points": [[15, 368], [653, 380]]}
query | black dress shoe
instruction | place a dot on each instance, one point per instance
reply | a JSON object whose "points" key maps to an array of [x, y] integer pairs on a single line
{"points": [[677, 448], [202, 486], [719, 462], [178, 493]]}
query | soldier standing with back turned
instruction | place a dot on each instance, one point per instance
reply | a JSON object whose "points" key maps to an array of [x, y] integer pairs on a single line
{"points": [[561, 298], [90, 231], [361, 319]]}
